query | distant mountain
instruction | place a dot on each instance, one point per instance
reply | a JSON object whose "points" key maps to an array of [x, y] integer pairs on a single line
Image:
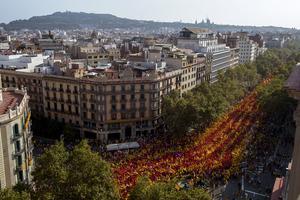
{"points": [[75, 20]]}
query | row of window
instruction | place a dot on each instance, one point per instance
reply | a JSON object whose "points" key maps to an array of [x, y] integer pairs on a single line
{"points": [[185, 86]]}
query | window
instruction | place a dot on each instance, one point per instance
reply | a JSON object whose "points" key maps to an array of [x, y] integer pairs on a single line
{"points": [[123, 97], [19, 161], [123, 107], [18, 146], [113, 107], [142, 96], [113, 88], [142, 87], [123, 88], [16, 130], [132, 88], [132, 115], [132, 97]]}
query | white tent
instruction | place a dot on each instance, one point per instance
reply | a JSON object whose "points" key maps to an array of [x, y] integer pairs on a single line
{"points": [[122, 146]]}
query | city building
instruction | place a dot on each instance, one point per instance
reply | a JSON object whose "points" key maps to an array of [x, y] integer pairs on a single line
{"points": [[206, 42], [112, 102], [100, 108], [95, 55], [292, 188], [21, 61], [248, 48], [15, 137]]}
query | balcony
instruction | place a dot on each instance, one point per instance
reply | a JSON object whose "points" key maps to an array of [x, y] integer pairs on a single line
{"points": [[53, 89], [69, 101], [30, 147], [93, 100], [16, 137], [155, 98], [154, 108], [29, 134], [123, 100], [19, 152], [20, 167], [142, 109], [142, 100], [53, 99]]}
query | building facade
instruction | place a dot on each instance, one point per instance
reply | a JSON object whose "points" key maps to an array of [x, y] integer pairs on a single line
{"points": [[206, 42], [15, 138], [100, 108], [292, 189]]}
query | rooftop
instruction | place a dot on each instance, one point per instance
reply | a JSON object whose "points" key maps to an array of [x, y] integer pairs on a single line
{"points": [[293, 82], [10, 101]]}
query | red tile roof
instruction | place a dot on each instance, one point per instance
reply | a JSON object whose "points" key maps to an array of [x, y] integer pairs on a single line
{"points": [[10, 100]]}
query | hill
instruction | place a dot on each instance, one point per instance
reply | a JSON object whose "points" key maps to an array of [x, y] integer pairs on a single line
{"points": [[79, 20]]}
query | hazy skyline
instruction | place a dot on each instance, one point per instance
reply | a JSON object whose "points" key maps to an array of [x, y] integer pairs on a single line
{"points": [[236, 12]]}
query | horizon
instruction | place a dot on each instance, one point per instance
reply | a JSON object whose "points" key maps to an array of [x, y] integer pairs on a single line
{"points": [[198, 21], [232, 12]]}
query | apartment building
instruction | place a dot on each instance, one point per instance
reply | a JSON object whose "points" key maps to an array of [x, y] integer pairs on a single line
{"points": [[15, 137], [94, 54], [206, 42], [194, 69], [248, 48], [119, 107]]}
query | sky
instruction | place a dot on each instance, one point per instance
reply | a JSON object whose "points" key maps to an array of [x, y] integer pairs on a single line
{"points": [[283, 13]]}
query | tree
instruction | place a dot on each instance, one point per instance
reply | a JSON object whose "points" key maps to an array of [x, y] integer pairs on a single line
{"points": [[90, 177], [80, 174], [178, 114], [51, 173], [9, 194], [145, 189]]}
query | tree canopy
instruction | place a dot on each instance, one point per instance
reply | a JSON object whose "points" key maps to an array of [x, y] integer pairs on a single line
{"points": [[205, 103], [80, 174], [145, 189]]}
